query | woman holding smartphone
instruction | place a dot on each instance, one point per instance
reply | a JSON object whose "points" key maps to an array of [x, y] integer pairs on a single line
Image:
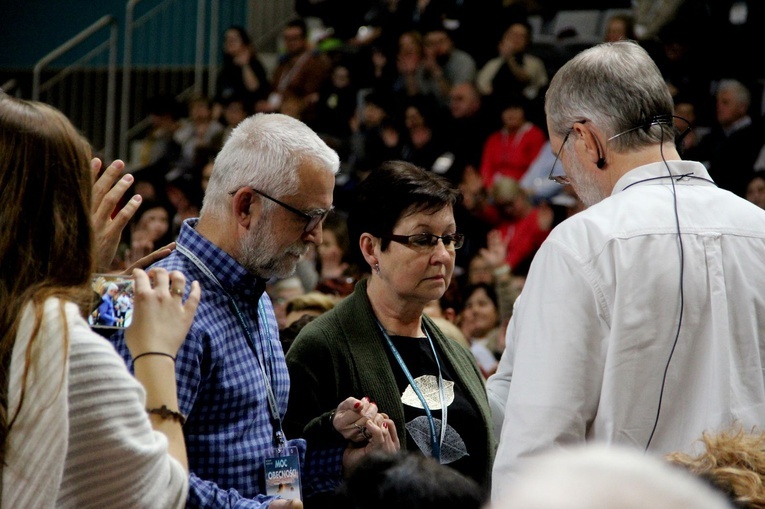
{"points": [[76, 430]]}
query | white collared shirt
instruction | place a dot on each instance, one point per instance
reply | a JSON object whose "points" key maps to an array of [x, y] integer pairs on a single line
{"points": [[595, 324]]}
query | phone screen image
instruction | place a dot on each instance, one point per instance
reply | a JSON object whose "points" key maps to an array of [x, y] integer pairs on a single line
{"points": [[112, 301]]}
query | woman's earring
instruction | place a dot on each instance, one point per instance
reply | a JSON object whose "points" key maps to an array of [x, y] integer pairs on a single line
{"points": [[377, 268]]}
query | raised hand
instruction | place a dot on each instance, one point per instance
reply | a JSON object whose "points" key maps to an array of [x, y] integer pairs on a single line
{"points": [[106, 195]]}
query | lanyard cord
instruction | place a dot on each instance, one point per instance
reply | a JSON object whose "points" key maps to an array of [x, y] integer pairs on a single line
{"points": [[273, 407], [436, 443]]}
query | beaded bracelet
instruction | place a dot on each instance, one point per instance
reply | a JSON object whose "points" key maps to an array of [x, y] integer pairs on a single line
{"points": [[166, 413]]}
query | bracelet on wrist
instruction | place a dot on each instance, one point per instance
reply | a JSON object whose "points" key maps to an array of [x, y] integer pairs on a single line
{"points": [[165, 413], [331, 420], [152, 353]]}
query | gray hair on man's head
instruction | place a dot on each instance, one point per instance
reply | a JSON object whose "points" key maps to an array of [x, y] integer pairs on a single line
{"points": [[617, 87], [264, 152], [602, 477], [738, 89]]}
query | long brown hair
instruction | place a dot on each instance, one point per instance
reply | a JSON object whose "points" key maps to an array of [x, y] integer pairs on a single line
{"points": [[45, 229]]}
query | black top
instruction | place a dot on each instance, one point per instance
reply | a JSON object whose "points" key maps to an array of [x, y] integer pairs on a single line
{"points": [[464, 447], [230, 83]]}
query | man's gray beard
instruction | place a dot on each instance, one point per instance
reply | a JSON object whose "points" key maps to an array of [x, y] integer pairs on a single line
{"points": [[258, 254], [586, 185]]}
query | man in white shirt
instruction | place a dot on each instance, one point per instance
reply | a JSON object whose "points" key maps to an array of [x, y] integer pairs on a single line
{"points": [[642, 321]]}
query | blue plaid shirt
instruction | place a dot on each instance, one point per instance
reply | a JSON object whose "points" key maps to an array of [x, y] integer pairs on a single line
{"points": [[220, 383]]}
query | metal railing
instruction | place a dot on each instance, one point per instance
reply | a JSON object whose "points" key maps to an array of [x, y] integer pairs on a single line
{"points": [[84, 77], [170, 48], [148, 39]]}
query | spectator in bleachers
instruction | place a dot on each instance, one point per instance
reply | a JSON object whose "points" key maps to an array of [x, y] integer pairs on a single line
{"points": [[731, 148], [535, 181], [684, 66], [468, 126], [521, 226], [514, 72], [509, 151], [755, 190], [376, 137], [156, 153], [479, 322], [476, 26], [150, 229], [423, 142], [281, 291], [419, 15], [619, 27], [652, 15], [409, 56], [686, 110], [337, 271], [335, 108], [183, 194], [341, 17], [300, 74], [235, 110], [243, 75], [198, 130], [443, 66], [737, 27]]}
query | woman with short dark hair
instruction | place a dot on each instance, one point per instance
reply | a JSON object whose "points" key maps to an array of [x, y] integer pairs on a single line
{"points": [[378, 343]]}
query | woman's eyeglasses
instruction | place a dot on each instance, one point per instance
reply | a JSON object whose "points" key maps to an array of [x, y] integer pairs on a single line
{"points": [[426, 241]]}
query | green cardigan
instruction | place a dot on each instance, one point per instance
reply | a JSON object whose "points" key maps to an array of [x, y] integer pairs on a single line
{"points": [[342, 353]]}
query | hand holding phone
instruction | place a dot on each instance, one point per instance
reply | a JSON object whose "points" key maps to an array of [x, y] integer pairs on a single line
{"points": [[161, 319]]}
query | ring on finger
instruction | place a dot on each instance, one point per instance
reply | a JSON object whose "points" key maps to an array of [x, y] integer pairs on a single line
{"points": [[363, 431], [177, 291]]}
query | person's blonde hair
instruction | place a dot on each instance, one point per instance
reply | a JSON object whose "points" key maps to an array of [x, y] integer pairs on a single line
{"points": [[312, 301], [734, 462]]}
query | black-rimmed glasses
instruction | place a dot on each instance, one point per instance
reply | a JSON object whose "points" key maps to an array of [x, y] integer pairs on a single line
{"points": [[426, 241], [560, 179], [312, 220]]}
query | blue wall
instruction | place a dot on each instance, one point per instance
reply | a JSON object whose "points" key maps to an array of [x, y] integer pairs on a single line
{"points": [[30, 29]]}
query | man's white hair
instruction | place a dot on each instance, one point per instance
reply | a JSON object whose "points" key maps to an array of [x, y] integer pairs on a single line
{"points": [[264, 152], [600, 477]]}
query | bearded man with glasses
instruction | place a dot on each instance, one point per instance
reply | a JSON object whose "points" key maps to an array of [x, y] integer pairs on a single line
{"points": [[270, 189], [641, 320]]}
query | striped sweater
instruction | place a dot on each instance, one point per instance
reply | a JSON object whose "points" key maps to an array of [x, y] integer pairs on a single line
{"points": [[82, 437]]}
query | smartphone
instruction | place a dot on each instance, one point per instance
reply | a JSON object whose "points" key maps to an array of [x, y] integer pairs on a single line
{"points": [[112, 301]]}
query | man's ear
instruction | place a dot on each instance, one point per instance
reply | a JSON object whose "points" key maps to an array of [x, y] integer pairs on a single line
{"points": [[593, 151], [246, 207], [370, 248]]}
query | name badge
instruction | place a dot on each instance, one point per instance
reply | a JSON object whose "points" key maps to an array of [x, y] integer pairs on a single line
{"points": [[282, 473]]}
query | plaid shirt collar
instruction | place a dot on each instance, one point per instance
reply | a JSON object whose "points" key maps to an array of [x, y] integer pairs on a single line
{"points": [[234, 278]]}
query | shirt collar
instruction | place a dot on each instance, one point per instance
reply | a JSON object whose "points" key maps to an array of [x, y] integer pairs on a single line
{"points": [[652, 170], [234, 278], [738, 125]]}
